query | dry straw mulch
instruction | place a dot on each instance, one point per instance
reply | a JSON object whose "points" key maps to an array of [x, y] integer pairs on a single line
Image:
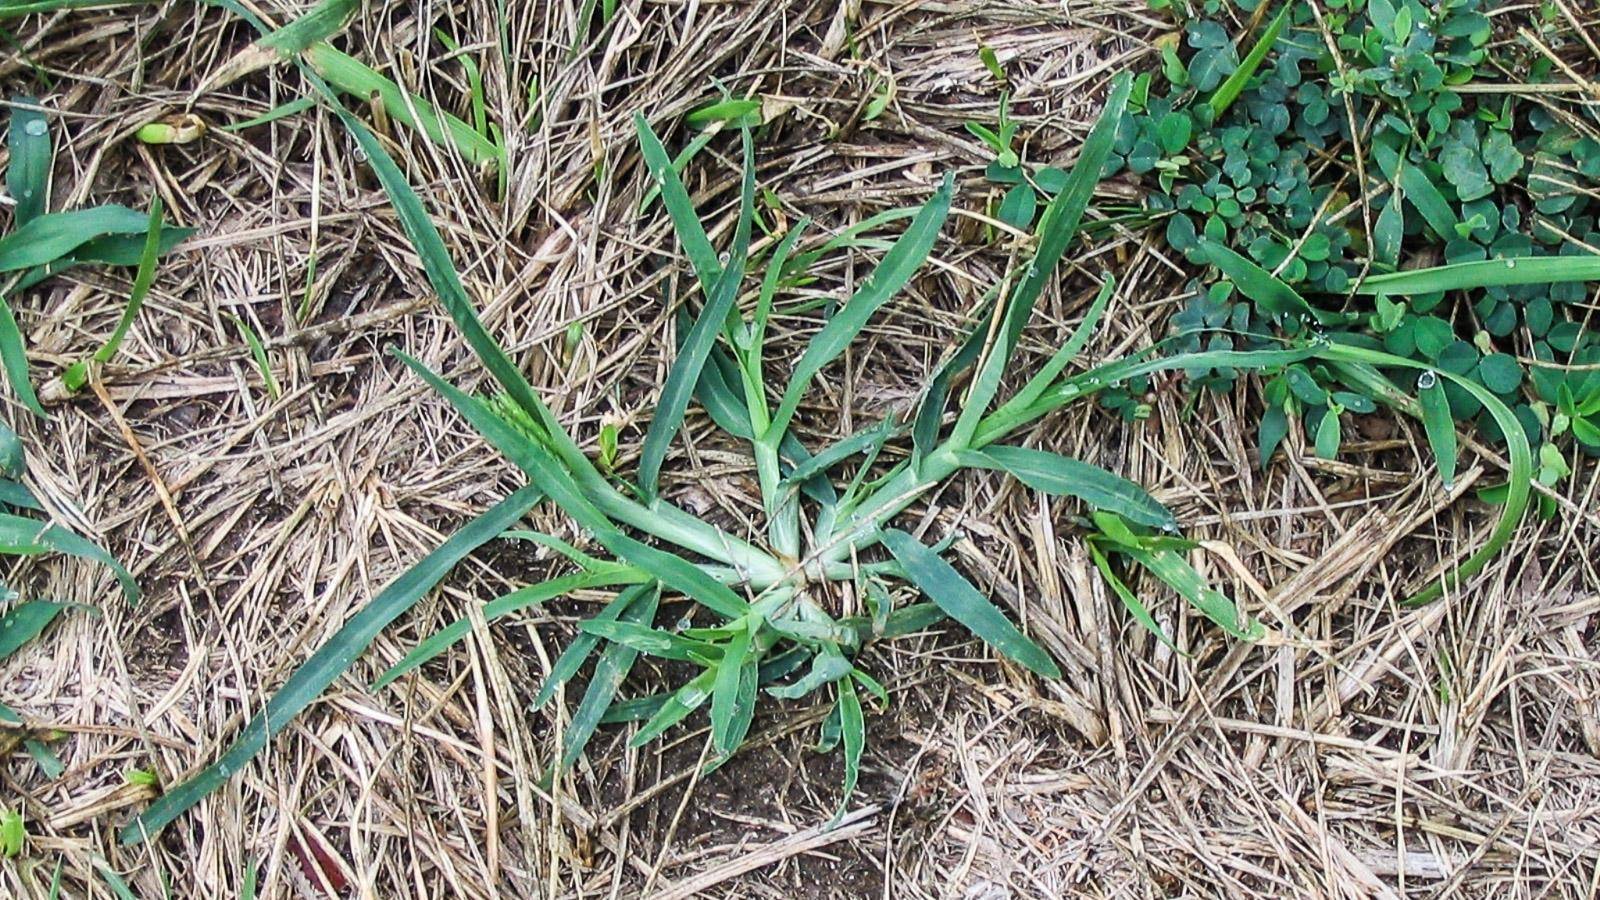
{"points": [[1373, 752]]}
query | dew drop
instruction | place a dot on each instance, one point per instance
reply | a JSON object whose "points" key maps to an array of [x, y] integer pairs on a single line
{"points": [[1511, 264], [34, 127], [1427, 380]]}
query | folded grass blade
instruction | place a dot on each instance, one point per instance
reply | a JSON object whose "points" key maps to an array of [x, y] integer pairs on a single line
{"points": [[331, 660], [28, 172], [26, 621], [853, 730], [1439, 424], [685, 222], [1130, 600], [725, 696], [1358, 365], [1064, 476], [1175, 571], [548, 475], [962, 602], [683, 701], [1230, 89], [1483, 274], [77, 374]]}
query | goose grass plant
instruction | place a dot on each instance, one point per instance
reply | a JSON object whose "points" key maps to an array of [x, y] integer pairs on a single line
{"points": [[758, 616]]}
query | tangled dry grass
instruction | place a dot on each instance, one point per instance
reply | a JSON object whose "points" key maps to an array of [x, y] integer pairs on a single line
{"points": [[1372, 752]]}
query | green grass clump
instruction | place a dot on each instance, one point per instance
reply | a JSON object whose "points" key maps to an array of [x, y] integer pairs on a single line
{"points": [[758, 616], [763, 614]]}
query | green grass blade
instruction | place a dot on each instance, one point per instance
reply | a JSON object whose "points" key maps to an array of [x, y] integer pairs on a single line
{"points": [[691, 234], [1230, 89], [331, 660], [1130, 600], [26, 621], [725, 695], [1439, 424], [1485, 273], [1262, 286], [654, 641], [1057, 226], [584, 643], [54, 235], [18, 496], [929, 417], [258, 353], [1358, 366], [12, 9], [14, 357], [1063, 476], [1426, 197], [321, 22], [283, 110], [77, 374], [360, 80], [962, 602], [28, 173], [892, 273], [111, 250], [863, 441], [505, 605], [609, 672], [683, 701], [1069, 351], [853, 730], [686, 369], [679, 163], [564, 490], [25, 536], [1175, 571], [441, 274]]}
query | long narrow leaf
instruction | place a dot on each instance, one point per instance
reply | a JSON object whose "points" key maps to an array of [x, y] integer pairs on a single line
{"points": [[1359, 364], [317, 673], [609, 673], [957, 597], [892, 273], [51, 236], [1485, 273], [1063, 476], [1056, 227], [29, 537], [1130, 600], [28, 172], [685, 373], [1439, 425], [1230, 89], [25, 621], [583, 643], [505, 605], [1069, 351], [725, 695], [853, 729], [691, 234], [1175, 571]]}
